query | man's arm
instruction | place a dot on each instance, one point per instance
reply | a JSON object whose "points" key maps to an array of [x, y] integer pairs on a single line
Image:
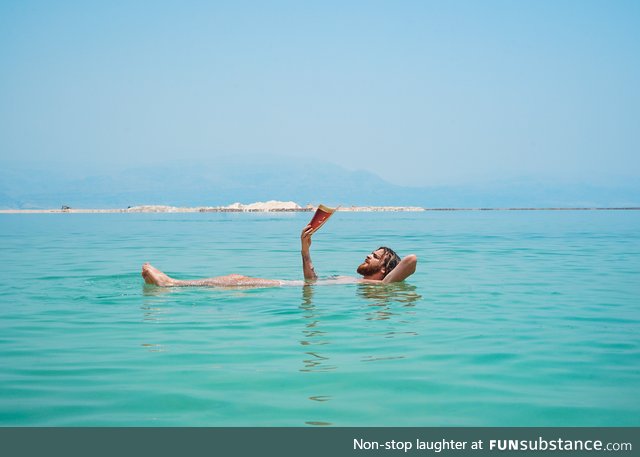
{"points": [[307, 266], [403, 270]]}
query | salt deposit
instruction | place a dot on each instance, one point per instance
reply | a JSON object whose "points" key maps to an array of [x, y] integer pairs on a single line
{"points": [[271, 205]]}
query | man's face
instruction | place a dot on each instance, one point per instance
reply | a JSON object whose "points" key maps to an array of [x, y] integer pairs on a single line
{"points": [[372, 264]]}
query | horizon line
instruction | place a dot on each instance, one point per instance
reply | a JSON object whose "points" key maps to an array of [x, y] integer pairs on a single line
{"points": [[368, 208]]}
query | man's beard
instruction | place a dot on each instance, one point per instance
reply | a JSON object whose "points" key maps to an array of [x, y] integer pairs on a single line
{"points": [[366, 269]]}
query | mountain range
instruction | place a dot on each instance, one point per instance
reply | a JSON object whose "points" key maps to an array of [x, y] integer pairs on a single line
{"points": [[302, 181]]}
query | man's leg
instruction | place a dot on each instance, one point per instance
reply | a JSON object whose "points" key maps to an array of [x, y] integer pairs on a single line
{"points": [[154, 276]]}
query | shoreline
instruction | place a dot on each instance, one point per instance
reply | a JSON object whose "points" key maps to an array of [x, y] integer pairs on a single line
{"points": [[256, 208]]}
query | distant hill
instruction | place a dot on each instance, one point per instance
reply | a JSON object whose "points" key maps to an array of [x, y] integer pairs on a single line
{"points": [[222, 183]]}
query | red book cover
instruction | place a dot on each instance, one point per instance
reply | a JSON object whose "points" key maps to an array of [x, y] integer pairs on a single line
{"points": [[320, 217]]}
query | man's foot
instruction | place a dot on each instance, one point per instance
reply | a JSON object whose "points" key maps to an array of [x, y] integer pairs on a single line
{"points": [[154, 276]]}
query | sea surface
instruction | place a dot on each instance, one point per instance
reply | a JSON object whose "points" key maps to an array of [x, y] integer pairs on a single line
{"points": [[513, 318]]}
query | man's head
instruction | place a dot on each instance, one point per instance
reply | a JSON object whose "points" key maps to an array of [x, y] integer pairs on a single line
{"points": [[379, 263]]}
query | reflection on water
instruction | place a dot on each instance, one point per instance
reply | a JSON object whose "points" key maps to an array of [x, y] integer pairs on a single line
{"points": [[349, 319], [151, 312], [307, 297], [387, 294], [370, 358], [389, 302], [388, 312], [316, 363], [154, 296], [384, 298], [312, 335], [149, 290], [153, 347]]}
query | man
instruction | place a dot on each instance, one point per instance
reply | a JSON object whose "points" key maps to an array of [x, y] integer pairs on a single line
{"points": [[381, 266]]}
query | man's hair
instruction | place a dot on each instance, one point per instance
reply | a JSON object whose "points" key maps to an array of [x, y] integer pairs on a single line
{"points": [[391, 259]]}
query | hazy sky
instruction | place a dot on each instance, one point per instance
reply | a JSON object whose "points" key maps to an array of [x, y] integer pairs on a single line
{"points": [[418, 92]]}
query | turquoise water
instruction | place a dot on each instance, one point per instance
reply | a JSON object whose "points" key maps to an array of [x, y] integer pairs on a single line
{"points": [[512, 319]]}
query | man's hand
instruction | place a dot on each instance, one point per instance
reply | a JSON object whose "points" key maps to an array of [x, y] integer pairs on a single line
{"points": [[307, 266], [305, 238]]}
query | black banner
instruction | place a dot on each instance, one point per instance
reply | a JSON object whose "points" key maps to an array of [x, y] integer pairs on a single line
{"points": [[325, 442]]}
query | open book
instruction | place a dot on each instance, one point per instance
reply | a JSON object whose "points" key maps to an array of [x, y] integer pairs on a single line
{"points": [[323, 213]]}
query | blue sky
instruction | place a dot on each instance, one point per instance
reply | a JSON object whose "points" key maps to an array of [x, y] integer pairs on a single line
{"points": [[419, 93]]}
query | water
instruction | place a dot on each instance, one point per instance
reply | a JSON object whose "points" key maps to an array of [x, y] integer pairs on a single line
{"points": [[513, 318]]}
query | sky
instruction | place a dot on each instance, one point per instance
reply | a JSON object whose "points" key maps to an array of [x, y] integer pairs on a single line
{"points": [[418, 92]]}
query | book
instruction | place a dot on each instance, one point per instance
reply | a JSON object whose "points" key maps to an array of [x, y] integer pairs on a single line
{"points": [[322, 214]]}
